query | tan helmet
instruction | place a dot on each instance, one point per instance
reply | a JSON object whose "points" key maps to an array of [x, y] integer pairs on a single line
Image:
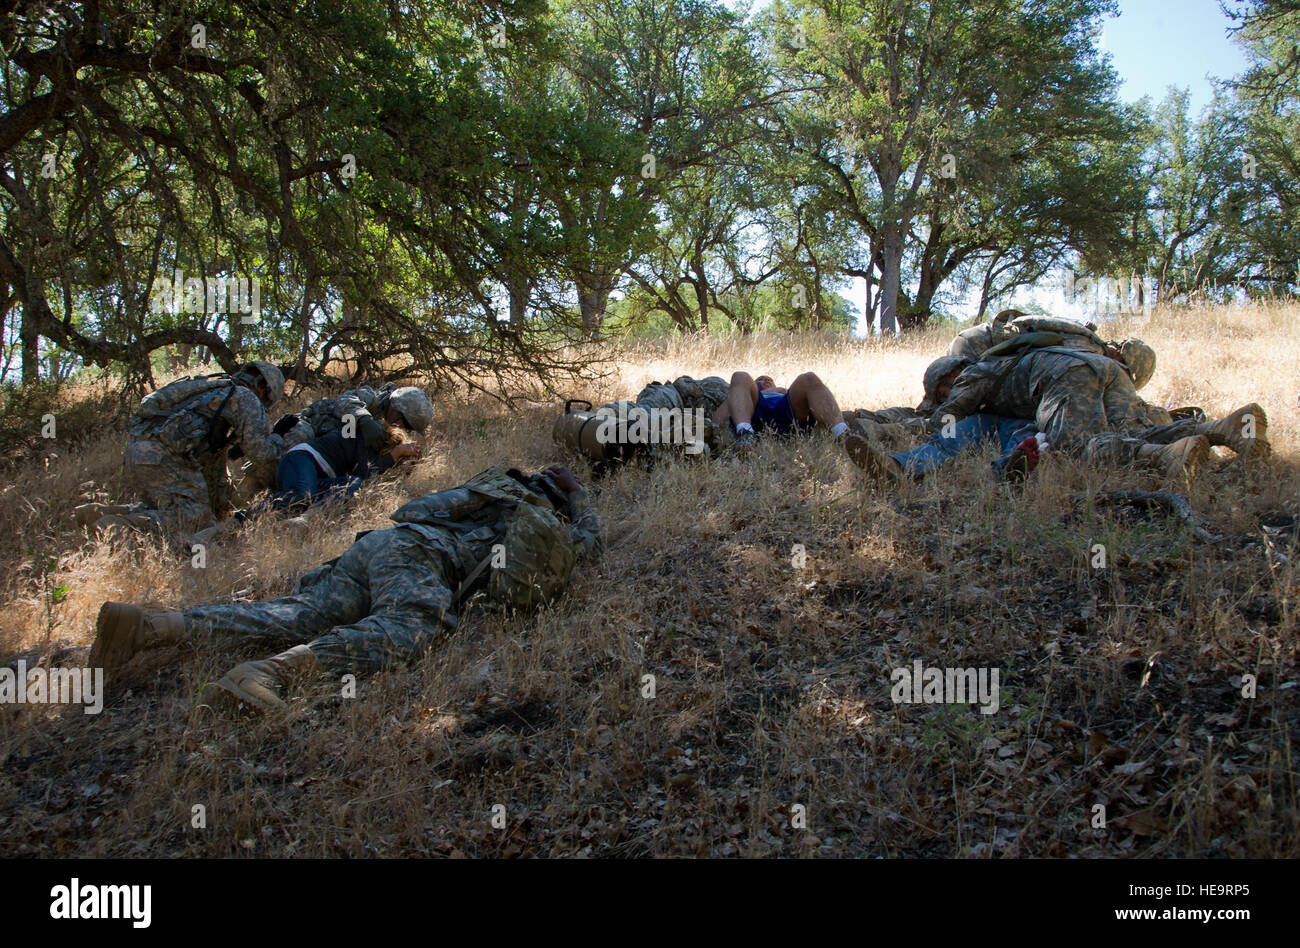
{"points": [[253, 372], [1139, 359], [414, 405], [935, 372]]}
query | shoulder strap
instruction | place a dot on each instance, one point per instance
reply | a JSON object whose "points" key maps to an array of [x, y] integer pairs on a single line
{"points": [[468, 582], [1017, 347], [215, 443]]}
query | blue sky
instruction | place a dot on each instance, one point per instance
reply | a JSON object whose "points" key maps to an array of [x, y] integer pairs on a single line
{"points": [[1154, 44]]}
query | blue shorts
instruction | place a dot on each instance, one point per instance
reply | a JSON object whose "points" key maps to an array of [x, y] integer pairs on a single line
{"points": [[773, 412]]}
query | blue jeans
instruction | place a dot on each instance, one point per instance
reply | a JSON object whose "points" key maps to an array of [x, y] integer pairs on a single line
{"points": [[972, 431], [298, 480]]}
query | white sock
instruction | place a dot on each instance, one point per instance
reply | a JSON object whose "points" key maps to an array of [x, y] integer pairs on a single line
{"points": [[744, 426], [839, 429]]}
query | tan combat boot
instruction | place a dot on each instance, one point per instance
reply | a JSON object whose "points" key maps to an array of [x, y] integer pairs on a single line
{"points": [[260, 683], [1182, 458], [122, 630], [1245, 431], [871, 459]]}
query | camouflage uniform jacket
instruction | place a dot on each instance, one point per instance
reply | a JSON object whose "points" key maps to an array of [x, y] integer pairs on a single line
{"points": [[468, 520], [232, 414], [325, 416], [1069, 393]]}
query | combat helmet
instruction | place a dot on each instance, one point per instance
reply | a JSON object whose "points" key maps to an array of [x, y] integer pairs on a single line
{"points": [[1140, 359], [251, 373], [944, 365], [414, 405]]}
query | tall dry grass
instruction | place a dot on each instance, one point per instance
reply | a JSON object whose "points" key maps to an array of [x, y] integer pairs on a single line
{"points": [[1120, 687]]}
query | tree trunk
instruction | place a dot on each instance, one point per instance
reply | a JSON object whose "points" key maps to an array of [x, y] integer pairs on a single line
{"points": [[591, 304], [986, 286], [30, 338], [701, 285], [892, 252], [519, 294], [818, 311]]}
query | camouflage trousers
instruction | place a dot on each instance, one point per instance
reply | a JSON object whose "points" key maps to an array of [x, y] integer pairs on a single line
{"points": [[175, 496], [898, 429], [1102, 417], [385, 602], [1123, 447], [1082, 403]]}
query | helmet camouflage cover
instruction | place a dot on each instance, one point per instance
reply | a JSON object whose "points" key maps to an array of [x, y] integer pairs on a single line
{"points": [[253, 372], [414, 405], [940, 367], [1140, 360]]}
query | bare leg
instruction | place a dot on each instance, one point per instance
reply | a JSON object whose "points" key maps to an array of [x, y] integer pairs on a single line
{"points": [[742, 397], [810, 398]]}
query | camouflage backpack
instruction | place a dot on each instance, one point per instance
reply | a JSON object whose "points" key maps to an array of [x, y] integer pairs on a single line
{"points": [[537, 552], [538, 559], [1074, 335], [170, 414], [325, 415]]}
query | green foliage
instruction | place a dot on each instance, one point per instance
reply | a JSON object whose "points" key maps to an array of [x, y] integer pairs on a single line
{"points": [[411, 193]]}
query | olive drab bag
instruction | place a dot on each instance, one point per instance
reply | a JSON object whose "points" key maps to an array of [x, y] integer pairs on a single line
{"points": [[536, 556]]}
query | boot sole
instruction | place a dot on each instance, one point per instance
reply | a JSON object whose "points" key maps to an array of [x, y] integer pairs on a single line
{"points": [[112, 646], [1259, 446], [862, 454], [1195, 456], [227, 689]]}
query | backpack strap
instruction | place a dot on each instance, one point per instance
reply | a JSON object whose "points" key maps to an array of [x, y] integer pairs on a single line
{"points": [[215, 444], [1017, 347], [468, 582]]}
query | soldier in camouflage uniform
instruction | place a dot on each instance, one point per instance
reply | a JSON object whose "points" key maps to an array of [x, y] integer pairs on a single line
{"points": [[176, 459], [395, 592], [1086, 402], [684, 401], [1135, 355]]}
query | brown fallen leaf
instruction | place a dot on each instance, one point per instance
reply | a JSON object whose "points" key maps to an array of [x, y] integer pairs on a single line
{"points": [[1146, 822]]}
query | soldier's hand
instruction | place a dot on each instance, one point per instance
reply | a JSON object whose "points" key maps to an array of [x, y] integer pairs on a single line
{"points": [[285, 425], [407, 449], [563, 477]]}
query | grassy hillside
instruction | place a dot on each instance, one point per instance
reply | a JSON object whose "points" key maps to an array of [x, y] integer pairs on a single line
{"points": [[1120, 686]]}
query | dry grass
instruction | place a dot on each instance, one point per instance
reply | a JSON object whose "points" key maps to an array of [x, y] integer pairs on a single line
{"points": [[1119, 686]]}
